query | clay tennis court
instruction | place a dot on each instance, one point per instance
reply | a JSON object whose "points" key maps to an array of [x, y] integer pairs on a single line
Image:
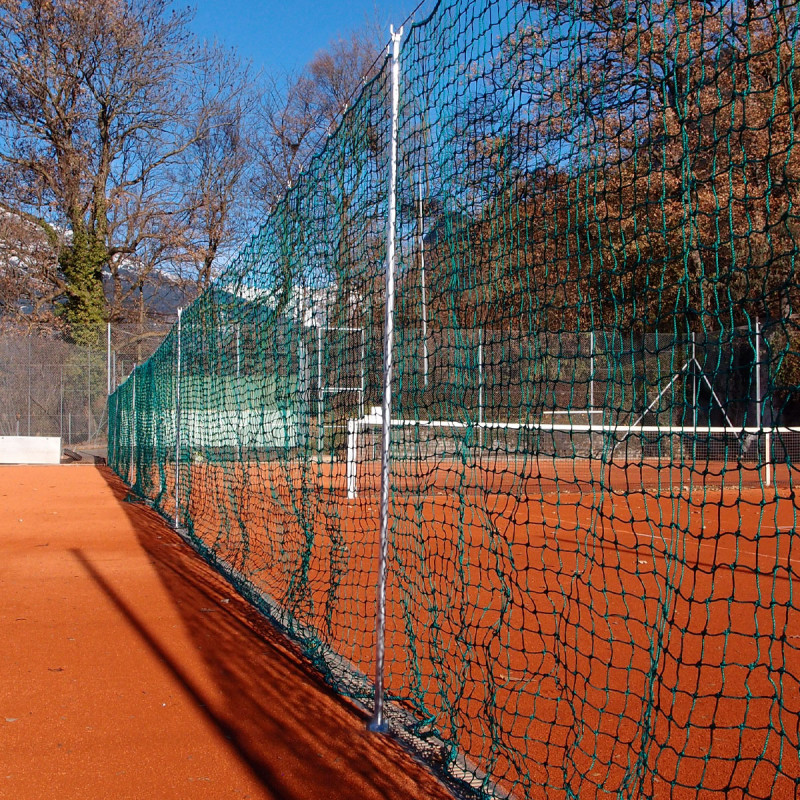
{"points": [[554, 631], [604, 625], [132, 670]]}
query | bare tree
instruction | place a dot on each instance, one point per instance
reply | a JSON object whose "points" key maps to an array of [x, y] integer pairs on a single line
{"points": [[297, 111], [98, 107], [29, 276], [216, 214], [82, 82]]}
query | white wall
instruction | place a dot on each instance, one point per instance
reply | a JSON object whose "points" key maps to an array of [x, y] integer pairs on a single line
{"points": [[30, 450]]}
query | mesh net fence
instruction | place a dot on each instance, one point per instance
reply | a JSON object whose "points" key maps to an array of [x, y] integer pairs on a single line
{"points": [[592, 552]]}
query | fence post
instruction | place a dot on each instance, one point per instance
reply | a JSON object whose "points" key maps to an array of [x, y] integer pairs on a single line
{"points": [[694, 380], [760, 411], [352, 455], [178, 422], [303, 389], [480, 389], [424, 298], [363, 373], [377, 723], [29, 385], [133, 428], [88, 393], [320, 400], [61, 404], [758, 375], [591, 376], [108, 358]]}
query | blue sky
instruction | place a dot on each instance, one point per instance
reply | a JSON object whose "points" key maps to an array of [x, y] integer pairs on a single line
{"points": [[284, 35]]}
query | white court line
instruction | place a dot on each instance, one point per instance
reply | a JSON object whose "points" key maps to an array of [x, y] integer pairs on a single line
{"points": [[727, 550], [545, 522], [779, 529]]}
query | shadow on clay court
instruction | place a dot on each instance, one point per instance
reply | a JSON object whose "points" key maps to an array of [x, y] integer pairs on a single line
{"points": [[298, 738]]}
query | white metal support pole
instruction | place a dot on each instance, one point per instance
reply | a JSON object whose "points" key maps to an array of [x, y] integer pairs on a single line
{"points": [[658, 355], [108, 358], [758, 375], [424, 297], [352, 455], [760, 411], [694, 399], [178, 422], [61, 404], [238, 350], [133, 426], [363, 373], [480, 388], [320, 401], [591, 376], [303, 387], [695, 365], [377, 723]]}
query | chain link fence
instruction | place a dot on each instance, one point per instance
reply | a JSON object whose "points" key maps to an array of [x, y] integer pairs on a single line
{"points": [[52, 387]]}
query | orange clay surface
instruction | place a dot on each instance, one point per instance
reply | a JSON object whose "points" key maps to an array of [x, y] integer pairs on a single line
{"points": [[703, 577], [131, 670]]}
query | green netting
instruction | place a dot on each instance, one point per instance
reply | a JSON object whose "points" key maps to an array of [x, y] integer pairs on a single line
{"points": [[592, 556]]}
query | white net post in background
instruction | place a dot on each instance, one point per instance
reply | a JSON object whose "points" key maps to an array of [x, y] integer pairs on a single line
{"points": [[378, 723], [178, 367]]}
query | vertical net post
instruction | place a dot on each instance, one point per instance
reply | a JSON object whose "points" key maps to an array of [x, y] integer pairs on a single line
{"points": [[88, 393], [480, 388], [29, 385], [363, 373], [178, 420], [695, 389], [304, 375], [760, 411], [423, 291], [61, 404], [591, 376], [695, 367], [352, 449], [108, 358], [320, 401], [377, 723], [238, 350], [133, 426]]}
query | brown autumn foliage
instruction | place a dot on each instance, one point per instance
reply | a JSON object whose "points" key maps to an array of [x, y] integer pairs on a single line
{"points": [[694, 207], [649, 178]]}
